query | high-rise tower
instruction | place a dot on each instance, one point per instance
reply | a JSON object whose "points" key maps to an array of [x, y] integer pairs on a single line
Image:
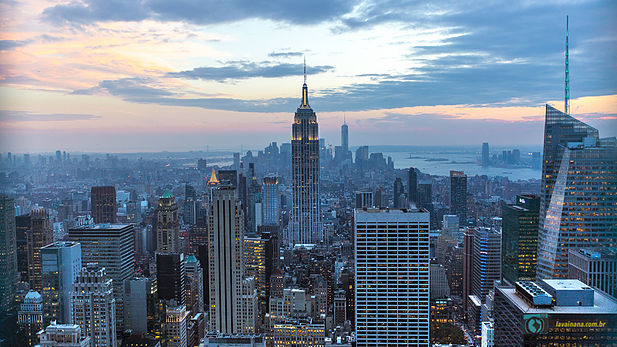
{"points": [[8, 250], [167, 226], [345, 136], [305, 215]]}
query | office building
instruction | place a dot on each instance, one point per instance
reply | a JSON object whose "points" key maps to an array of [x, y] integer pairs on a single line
{"points": [[439, 282], [270, 201], [488, 334], [578, 170], [167, 225], [596, 267], [412, 186], [392, 287], [140, 304], [458, 195], [398, 190], [298, 333], [226, 239], [485, 154], [248, 306], [229, 177], [194, 288], [486, 268], [110, 246], [103, 204], [520, 238], [171, 277], [305, 217], [8, 253], [94, 307], [255, 204], [61, 263], [553, 313], [190, 205], [254, 258], [30, 317], [63, 335], [22, 227], [467, 266], [40, 234], [364, 199], [176, 319]]}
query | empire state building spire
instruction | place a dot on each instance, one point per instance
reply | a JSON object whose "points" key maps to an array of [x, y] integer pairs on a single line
{"points": [[305, 103]]}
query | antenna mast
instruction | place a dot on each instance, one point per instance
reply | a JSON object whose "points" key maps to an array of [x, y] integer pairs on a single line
{"points": [[567, 86]]}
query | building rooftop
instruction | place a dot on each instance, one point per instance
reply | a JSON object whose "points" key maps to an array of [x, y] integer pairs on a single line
{"points": [[102, 226], [597, 253], [603, 304], [391, 215]]}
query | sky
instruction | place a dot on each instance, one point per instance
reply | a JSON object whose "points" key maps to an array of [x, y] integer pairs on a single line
{"points": [[152, 75]]}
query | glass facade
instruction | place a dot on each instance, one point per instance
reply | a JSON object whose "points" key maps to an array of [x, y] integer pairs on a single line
{"points": [[520, 238]]}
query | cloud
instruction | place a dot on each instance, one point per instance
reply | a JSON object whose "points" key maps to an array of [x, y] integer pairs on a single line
{"points": [[23, 116], [127, 88], [10, 44], [197, 11], [238, 70], [285, 54]]}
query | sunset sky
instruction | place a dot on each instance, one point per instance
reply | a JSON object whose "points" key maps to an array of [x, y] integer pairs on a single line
{"points": [[151, 75]]}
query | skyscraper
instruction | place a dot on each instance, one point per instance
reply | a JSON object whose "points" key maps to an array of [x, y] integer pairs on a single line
{"points": [[94, 307], [194, 288], [140, 304], [412, 186], [485, 154], [190, 205], [225, 242], [519, 244], [458, 195], [345, 137], [486, 268], [364, 199], [270, 198], [596, 267], [398, 192], [103, 204], [30, 317], [110, 246], [8, 253], [392, 277], [176, 328], [578, 198], [39, 235], [305, 216], [61, 262], [171, 277], [167, 225]]}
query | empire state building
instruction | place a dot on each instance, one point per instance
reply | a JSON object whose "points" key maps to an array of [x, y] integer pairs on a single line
{"points": [[305, 216]]}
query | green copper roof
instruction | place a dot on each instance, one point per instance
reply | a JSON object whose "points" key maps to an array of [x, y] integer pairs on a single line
{"points": [[191, 259], [167, 194]]}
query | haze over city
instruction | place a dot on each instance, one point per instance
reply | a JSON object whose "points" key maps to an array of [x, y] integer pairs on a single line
{"points": [[125, 76]]}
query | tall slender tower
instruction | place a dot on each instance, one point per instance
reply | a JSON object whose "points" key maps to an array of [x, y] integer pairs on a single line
{"points": [[167, 226], [8, 250], [345, 136], [567, 86], [305, 173]]}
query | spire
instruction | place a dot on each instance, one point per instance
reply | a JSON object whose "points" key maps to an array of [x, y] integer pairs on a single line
{"points": [[305, 103], [213, 180], [567, 81], [344, 118]]}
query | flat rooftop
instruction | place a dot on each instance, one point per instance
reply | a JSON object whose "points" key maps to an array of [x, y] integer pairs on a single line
{"points": [[603, 304], [102, 226], [391, 215], [566, 284]]}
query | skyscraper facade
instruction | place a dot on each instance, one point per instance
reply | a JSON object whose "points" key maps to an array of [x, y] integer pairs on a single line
{"points": [[398, 190], [171, 277], [596, 267], [485, 154], [270, 199], [103, 204], [412, 186], [110, 246], [194, 288], [61, 262], [486, 268], [94, 307], [167, 225], [345, 137], [458, 195], [176, 328], [519, 244], [305, 216], [392, 277], [225, 242], [30, 317], [579, 192], [8, 253], [40, 234]]}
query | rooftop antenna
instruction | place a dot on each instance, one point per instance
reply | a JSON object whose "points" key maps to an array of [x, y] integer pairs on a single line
{"points": [[304, 69], [567, 86]]}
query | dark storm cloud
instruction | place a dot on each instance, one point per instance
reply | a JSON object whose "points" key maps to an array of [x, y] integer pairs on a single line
{"points": [[23, 116], [243, 70], [198, 11]]}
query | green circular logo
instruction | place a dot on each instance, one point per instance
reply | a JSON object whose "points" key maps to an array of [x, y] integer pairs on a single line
{"points": [[535, 325]]}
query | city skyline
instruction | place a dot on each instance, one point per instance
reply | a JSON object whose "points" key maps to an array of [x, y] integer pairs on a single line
{"points": [[191, 80]]}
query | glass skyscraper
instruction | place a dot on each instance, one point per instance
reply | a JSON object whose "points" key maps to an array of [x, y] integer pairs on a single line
{"points": [[519, 245], [579, 192]]}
